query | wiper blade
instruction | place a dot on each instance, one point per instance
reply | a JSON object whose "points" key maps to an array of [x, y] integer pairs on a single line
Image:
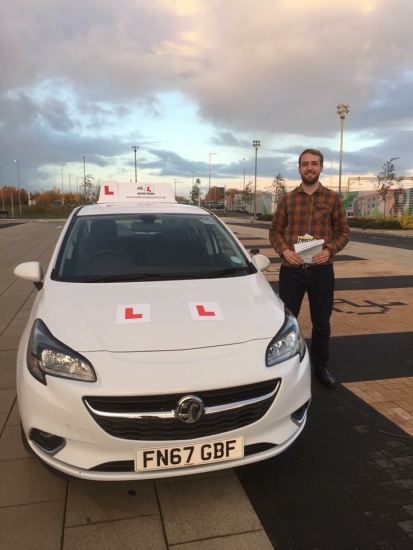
{"points": [[228, 271], [126, 277], [131, 277]]}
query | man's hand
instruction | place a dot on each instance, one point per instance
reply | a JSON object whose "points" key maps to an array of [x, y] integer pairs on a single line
{"points": [[292, 257], [321, 257]]}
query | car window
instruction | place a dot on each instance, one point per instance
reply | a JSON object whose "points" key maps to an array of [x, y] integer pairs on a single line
{"points": [[157, 245]]}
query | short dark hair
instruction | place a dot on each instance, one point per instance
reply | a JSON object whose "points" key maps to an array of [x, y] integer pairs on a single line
{"points": [[312, 152]]}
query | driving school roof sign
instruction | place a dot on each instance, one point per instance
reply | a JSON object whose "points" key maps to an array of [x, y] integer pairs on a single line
{"points": [[122, 192]]}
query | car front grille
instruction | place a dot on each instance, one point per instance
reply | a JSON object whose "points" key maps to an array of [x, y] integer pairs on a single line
{"points": [[153, 419]]}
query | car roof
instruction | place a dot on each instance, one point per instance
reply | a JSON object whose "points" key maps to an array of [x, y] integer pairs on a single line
{"points": [[133, 198]]}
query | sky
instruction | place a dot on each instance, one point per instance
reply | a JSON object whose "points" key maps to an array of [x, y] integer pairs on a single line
{"points": [[192, 83]]}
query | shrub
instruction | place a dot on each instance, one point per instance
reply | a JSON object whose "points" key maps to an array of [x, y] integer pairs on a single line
{"points": [[406, 221]]}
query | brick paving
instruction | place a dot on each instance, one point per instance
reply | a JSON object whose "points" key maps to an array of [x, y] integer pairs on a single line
{"points": [[348, 481]]}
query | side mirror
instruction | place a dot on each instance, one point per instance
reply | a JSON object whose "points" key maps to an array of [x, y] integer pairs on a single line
{"points": [[261, 262], [30, 271]]}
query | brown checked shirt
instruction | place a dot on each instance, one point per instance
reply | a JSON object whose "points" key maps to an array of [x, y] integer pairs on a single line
{"points": [[321, 215]]}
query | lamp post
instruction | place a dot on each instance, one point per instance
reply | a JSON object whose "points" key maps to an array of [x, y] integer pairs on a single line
{"points": [[342, 110], [331, 172], [243, 185], [11, 198], [18, 181], [135, 148], [255, 144], [2, 190], [70, 186], [193, 174], [175, 181], [61, 170], [209, 179]]}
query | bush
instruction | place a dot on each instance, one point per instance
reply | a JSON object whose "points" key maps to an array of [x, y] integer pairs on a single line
{"points": [[406, 221], [375, 223]]}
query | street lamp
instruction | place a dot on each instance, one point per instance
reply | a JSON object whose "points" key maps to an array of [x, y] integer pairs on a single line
{"points": [[175, 187], [18, 180], [11, 197], [255, 144], [342, 110], [193, 173], [243, 185], [331, 173], [209, 171], [2, 190], [70, 185], [62, 181], [135, 148]]}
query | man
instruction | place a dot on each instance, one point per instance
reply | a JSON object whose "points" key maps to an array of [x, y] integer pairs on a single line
{"points": [[310, 211]]}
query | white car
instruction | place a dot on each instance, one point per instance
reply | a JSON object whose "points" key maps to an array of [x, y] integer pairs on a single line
{"points": [[155, 346]]}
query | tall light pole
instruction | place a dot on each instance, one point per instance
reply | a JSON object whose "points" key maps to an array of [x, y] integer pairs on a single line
{"points": [[135, 148], [342, 110], [62, 181], [18, 181], [331, 172], [175, 187], [11, 197], [255, 144], [209, 179], [2, 190], [193, 174], [243, 185], [70, 185]]}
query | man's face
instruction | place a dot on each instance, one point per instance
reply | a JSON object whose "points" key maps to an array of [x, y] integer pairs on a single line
{"points": [[310, 169]]}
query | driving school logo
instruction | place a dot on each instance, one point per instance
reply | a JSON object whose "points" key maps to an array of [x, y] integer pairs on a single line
{"points": [[145, 190]]}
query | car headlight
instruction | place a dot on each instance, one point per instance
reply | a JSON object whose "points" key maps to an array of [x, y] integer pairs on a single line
{"points": [[46, 355], [287, 343]]}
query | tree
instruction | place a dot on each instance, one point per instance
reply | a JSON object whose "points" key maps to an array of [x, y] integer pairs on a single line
{"points": [[276, 189], [88, 188], [385, 181], [248, 194], [195, 192]]}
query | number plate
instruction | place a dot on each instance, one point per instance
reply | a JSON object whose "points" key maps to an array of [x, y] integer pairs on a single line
{"points": [[159, 458]]}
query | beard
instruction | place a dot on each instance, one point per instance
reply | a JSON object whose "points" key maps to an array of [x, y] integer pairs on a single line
{"points": [[310, 179]]}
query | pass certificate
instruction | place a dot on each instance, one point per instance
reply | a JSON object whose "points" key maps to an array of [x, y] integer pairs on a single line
{"points": [[308, 247]]}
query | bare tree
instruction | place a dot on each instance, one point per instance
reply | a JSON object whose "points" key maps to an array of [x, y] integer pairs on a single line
{"points": [[276, 189], [88, 188], [385, 181], [248, 194]]}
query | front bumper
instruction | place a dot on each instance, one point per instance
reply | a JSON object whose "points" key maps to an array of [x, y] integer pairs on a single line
{"points": [[90, 452]]}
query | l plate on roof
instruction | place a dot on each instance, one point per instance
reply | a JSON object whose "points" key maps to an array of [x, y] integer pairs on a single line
{"points": [[115, 192]]}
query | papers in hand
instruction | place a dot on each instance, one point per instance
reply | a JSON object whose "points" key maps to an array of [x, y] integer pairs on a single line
{"points": [[308, 248]]}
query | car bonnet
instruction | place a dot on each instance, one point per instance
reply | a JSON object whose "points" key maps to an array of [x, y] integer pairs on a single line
{"points": [[162, 315]]}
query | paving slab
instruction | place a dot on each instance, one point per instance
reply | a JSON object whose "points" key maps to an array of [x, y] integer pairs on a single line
{"points": [[130, 534], [32, 527], [91, 502], [201, 509]]}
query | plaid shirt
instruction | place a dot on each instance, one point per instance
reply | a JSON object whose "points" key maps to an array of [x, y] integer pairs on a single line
{"points": [[321, 215]]}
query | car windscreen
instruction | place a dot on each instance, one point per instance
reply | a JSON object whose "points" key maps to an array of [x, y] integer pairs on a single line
{"points": [[134, 247]]}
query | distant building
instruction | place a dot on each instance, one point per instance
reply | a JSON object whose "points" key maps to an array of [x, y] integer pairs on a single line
{"points": [[370, 204]]}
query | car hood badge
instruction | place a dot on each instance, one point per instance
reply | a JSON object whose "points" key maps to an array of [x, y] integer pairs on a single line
{"points": [[189, 409]]}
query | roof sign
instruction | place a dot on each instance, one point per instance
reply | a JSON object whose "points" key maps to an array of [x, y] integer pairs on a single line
{"points": [[121, 192]]}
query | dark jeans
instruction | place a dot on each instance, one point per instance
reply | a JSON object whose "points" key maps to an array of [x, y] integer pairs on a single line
{"points": [[318, 282]]}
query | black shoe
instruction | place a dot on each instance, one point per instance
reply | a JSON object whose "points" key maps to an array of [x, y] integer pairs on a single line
{"points": [[325, 377]]}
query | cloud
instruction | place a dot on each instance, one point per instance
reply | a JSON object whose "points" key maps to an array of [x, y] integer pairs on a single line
{"points": [[90, 78]]}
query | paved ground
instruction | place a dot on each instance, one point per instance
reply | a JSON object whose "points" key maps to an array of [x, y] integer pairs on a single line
{"points": [[346, 483]]}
